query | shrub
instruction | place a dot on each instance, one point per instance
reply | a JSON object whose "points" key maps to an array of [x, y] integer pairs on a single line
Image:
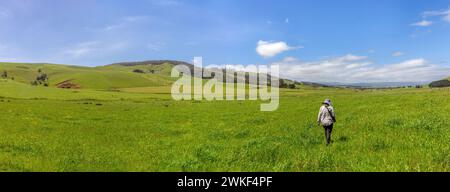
{"points": [[138, 71]]}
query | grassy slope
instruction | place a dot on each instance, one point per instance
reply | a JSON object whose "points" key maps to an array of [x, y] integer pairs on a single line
{"points": [[107, 77], [14, 90]]}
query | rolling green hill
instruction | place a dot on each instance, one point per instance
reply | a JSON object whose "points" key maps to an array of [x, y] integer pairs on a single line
{"points": [[155, 73], [105, 77]]}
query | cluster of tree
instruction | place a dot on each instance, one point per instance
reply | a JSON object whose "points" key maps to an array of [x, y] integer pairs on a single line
{"points": [[441, 83], [41, 79], [138, 71], [417, 86], [5, 75], [142, 71], [283, 84]]}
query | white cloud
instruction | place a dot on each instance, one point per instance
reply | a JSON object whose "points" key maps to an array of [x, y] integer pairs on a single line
{"points": [[286, 20], [350, 58], [397, 54], [270, 49], [444, 14], [352, 68], [423, 23], [290, 59]]}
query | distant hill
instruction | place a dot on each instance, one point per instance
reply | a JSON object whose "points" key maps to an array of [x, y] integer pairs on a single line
{"points": [[441, 83], [152, 73], [376, 84]]}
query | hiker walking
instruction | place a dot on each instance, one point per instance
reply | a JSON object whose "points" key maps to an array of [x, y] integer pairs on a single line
{"points": [[327, 118]]}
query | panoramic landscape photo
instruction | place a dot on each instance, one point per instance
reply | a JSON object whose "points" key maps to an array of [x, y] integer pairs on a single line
{"points": [[224, 86]]}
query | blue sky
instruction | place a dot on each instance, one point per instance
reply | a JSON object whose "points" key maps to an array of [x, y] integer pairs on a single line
{"points": [[382, 40]]}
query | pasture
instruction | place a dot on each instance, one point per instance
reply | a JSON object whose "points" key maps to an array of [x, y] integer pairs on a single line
{"points": [[143, 129]]}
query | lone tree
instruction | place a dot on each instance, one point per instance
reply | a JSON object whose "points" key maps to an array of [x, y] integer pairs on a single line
{"points": [[5, 74]]}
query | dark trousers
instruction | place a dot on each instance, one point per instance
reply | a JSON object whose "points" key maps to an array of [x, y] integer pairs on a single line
{"points": [[328, 130]]}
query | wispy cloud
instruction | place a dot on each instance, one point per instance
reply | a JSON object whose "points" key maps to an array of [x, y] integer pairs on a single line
{"points": [[432, 17], [270, 49], [9, 53], [82, 49], [423, 23], [444, 14], [93, 48], [397, 54], [353, 68], [124, 22]]}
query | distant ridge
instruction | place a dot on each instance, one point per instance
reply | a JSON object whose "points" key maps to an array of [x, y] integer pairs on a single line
{"points": [[376, 84], [441, 83], [112, 76], [153, 62]]}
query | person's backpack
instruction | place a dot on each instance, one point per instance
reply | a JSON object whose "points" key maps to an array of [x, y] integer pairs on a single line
{"points": [[331, 114]]}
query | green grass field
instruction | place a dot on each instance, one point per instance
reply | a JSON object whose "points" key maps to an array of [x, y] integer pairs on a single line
{"points": [[140, 128]]}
